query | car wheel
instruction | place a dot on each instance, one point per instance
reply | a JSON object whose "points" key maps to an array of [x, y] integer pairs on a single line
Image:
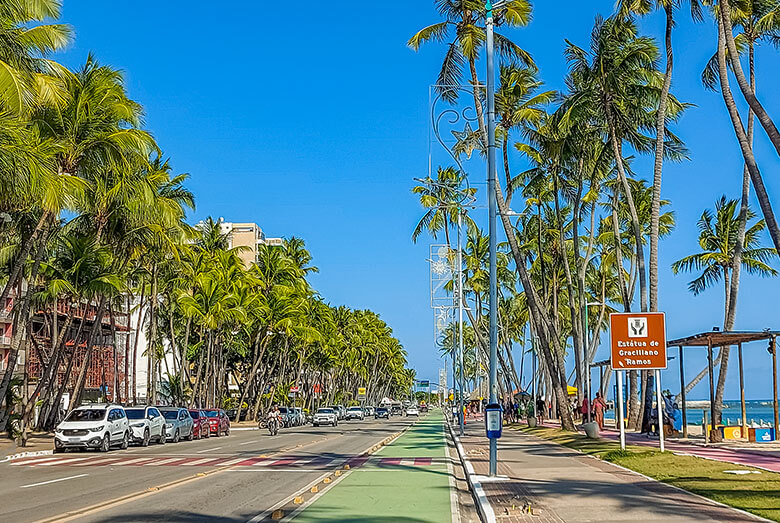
{"points": [[227, 431], [125, 441], [147, 437], [176, 436], [192, 434], [57, 449], [314, 425], [105, 445], [163, 439]]}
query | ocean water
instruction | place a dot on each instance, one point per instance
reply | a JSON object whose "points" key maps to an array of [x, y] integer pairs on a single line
{"points": [[758, 411]]}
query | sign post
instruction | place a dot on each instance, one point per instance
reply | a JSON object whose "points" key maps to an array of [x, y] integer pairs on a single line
{"points": [[638, 342], [361, 393]]}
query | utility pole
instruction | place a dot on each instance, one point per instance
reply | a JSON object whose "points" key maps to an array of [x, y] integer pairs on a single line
{"points": [[492, 211]]}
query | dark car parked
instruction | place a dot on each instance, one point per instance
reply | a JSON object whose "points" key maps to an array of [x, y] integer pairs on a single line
{"points": [[200, 421], [382, 412], [219, 423]]}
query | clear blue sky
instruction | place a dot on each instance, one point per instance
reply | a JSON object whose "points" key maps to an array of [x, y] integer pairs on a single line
{"points": [[312, 120]]}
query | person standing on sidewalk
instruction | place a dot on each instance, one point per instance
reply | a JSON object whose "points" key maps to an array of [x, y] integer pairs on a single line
{"points": [[599, 406], [584, 409]]}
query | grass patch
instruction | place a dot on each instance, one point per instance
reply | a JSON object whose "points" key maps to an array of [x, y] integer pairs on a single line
{"points": [[755, 493]]}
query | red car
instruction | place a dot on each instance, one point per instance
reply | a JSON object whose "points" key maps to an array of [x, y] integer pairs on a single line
{"points": [[219, 423], [200, 427]]}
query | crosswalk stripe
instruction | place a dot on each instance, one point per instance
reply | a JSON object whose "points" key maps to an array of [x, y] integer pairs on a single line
{"points": [[162, 462], [135, 461], [61, 462], [231, 462], [197, 461], [34, 461], [100, 462]]}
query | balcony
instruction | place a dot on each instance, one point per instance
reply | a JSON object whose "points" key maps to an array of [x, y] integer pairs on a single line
{"points": [[5, 340]]}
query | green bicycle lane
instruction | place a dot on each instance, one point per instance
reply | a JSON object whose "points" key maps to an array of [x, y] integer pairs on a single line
{"points": [[407, 480]]}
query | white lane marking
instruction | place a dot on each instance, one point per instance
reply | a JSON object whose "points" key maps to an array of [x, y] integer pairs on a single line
{"points": [[248, 442], [62, 462], [407, 462], [207, 450], [54, 481]]}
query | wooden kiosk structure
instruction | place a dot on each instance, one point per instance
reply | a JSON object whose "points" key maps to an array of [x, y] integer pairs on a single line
{"points": [[716, 338]]}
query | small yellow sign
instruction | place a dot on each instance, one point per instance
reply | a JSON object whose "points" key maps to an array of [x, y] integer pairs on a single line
{"points": [[361, 392]]}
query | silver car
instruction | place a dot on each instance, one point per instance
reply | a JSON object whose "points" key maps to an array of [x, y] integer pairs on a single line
{"points": [[178, 424]]}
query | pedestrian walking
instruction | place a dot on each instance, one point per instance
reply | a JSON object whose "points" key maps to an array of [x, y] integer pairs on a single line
{"points": [[540, 406], [584, 409], [599, 406]]}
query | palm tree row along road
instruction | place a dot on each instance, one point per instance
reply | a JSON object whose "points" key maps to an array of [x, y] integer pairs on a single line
{"points": [[588, 223], [94, 232]]}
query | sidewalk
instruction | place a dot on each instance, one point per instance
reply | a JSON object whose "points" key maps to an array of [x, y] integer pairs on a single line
{"points": [[413, 483], [560, 484], [38, 441]]}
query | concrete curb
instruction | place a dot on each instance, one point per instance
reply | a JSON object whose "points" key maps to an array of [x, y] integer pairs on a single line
{"points": [[28, 454], [486, 513]]}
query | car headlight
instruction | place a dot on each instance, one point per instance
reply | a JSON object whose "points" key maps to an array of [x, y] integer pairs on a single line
{"points": [[138, 425], [168, 425], [97, 429]]}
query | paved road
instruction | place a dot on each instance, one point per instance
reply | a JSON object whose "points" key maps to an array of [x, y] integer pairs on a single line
{"points": [[234, 478]]}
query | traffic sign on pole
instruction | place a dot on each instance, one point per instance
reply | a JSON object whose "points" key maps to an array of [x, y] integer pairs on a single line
{"points": [[361, 393], [638, 340]]}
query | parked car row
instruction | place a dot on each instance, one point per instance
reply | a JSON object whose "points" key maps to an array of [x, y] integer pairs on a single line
{"points": [[292, 416], [102, 426]]}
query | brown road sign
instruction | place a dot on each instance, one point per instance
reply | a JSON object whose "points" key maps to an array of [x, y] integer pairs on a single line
{"points": [[638, 340]]}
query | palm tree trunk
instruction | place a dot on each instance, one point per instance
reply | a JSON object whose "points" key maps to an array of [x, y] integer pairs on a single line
{"points": [[21, 259], [93, 334], [632, 209], [736, 266], [724, 21], [151, 351], [138, 326], [742, 138], [660, 136], [22, 321]]}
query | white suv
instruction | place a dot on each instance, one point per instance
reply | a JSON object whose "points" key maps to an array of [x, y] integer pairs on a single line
{"points": [[146, 424], [96, 426], [325, 416]]}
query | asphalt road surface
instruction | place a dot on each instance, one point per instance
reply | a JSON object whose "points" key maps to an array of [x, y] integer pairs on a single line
{"points": [[235, 478]]}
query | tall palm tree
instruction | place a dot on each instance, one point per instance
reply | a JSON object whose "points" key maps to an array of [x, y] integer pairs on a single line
{"points": [[27, 78], [718, 239], [443, 197]]}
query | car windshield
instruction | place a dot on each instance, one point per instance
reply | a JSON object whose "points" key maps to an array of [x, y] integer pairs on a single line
{"points": [[87, 415], [170, 414], [324, 411], [195, 414], [212, 413], [355, 408], [283, 410], [135, 413], [381, 409]]}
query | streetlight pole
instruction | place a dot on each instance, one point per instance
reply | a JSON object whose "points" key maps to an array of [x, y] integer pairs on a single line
{"points": [[460, 317], [492, 204]]}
